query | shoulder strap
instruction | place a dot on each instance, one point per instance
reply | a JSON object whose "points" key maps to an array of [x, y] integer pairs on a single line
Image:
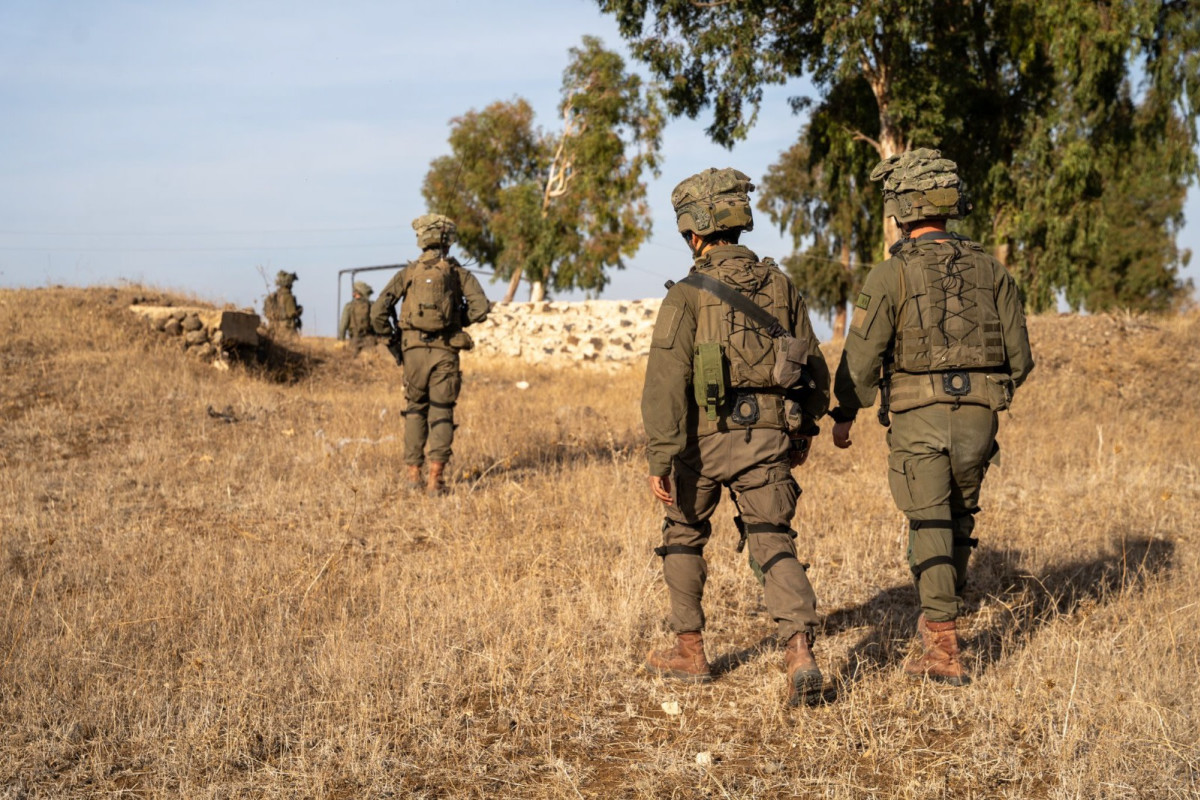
{"points": [[727, 294]]}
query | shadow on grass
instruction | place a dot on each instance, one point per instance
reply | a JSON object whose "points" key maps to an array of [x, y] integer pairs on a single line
{"points": [[277, 361], [1030, 602]]}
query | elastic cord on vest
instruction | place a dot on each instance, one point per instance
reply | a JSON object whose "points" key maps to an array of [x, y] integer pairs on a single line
{"points": [[929, 524]]}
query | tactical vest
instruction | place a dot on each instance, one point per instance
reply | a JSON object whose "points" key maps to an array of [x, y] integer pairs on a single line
{"points": [[739, 349], [949, 338], [433, 298]]}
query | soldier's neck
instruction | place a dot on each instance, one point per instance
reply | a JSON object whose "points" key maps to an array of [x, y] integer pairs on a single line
{"points": [[929, 227]]}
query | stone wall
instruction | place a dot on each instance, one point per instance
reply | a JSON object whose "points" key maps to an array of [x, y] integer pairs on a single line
{"points": [[600, 332], [204, 332]]}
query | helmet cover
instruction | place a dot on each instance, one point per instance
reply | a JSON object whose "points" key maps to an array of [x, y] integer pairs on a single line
{"points": [[713, 200], [920, 184], [434, 229]]}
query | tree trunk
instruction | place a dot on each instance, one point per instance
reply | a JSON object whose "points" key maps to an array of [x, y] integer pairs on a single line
{"points": [[890, 140], [1001, 252], [890, 144], [537, 291], [512, 287], [839, 316]]}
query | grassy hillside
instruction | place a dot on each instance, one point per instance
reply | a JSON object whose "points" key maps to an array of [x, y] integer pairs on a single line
{"points": [[212, 584]]}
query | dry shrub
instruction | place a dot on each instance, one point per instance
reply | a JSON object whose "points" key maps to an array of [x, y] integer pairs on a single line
{"points": [[214, 585]]}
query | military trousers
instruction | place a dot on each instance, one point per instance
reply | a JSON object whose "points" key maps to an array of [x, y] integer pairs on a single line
{"points": [[757, 474], [356, 344], [432, 381], [938, 455]]}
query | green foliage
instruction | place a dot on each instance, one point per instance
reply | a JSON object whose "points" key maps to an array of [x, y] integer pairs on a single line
{"points": [[1035, 100], [561, 208]]}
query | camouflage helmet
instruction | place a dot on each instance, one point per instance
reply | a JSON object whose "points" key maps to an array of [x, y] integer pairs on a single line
{"points": [[363, 288], [285, 278], [920, 184], [434, 229], [713, 200]]}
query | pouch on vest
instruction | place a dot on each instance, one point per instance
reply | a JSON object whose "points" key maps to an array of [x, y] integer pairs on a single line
{"points": [[708, 377], [791, 354], [999, 391], [431, 300], [461, 340]]}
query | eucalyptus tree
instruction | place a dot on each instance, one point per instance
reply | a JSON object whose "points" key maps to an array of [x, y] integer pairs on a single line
{"points": [[1037, 100], [560, 208]]}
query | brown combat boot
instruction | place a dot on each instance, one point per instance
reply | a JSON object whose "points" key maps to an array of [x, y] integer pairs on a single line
{"points": [[940, 661], [685, 661], [804, 679], [436, 487], [414, 477]]}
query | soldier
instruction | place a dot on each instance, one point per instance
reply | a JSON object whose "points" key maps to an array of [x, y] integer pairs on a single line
{"points": [[356, 319], [719, 411], [940, 327], [280, 307], [440, 298]]}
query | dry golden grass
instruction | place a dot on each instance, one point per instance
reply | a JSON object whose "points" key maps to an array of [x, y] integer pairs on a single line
{"points": [[191, 607]]}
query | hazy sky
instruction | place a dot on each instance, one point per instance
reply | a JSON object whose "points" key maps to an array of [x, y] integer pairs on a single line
{"points": [[198, 146]]}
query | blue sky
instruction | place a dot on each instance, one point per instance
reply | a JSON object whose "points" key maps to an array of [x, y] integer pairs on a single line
{"points": [[198, 146]]}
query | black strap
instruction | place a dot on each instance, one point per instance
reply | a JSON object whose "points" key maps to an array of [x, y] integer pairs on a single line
{"points": [[775, 559], [965, 541], [923, 524], [931, 562], [766, 527], [727, 294], [678, 550]]}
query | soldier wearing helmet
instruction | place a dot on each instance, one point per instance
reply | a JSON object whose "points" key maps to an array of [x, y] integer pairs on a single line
{"points": [[280, 308], [438, 298], [939, 328], [356, 319], [717, 414]]}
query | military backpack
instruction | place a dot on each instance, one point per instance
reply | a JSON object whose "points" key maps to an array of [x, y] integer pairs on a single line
{"points": [[433, 298]]}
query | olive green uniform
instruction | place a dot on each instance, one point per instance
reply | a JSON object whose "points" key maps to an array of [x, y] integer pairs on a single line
{"points": [[703, 452], [282, 310], [946, 321], [432, 377], [355, 324]]}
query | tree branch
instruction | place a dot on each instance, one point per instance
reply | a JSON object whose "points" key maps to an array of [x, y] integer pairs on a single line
{"points": [[859, 136]]}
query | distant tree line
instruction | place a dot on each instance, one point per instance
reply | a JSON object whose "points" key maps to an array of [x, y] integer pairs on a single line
{"points": [[1073, 125]]}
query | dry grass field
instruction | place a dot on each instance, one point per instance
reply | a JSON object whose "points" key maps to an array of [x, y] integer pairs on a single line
{"points": [[244, 603]]}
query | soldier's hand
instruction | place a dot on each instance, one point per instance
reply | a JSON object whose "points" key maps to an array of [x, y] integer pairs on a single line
{"points": [[661, 487], [798, 450], [841, 434]]}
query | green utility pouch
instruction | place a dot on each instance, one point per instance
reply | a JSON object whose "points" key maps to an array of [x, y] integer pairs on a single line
{"points": [[708, 377]]}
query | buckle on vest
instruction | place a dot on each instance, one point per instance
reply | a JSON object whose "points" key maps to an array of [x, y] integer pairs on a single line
{"points": [[745, 409], [956, 384]]}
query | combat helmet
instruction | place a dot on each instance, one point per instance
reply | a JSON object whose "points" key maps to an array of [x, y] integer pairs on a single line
{"points": [[363, 288], [283, 278], [433, 230], [920, 184], [713, 200]]}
